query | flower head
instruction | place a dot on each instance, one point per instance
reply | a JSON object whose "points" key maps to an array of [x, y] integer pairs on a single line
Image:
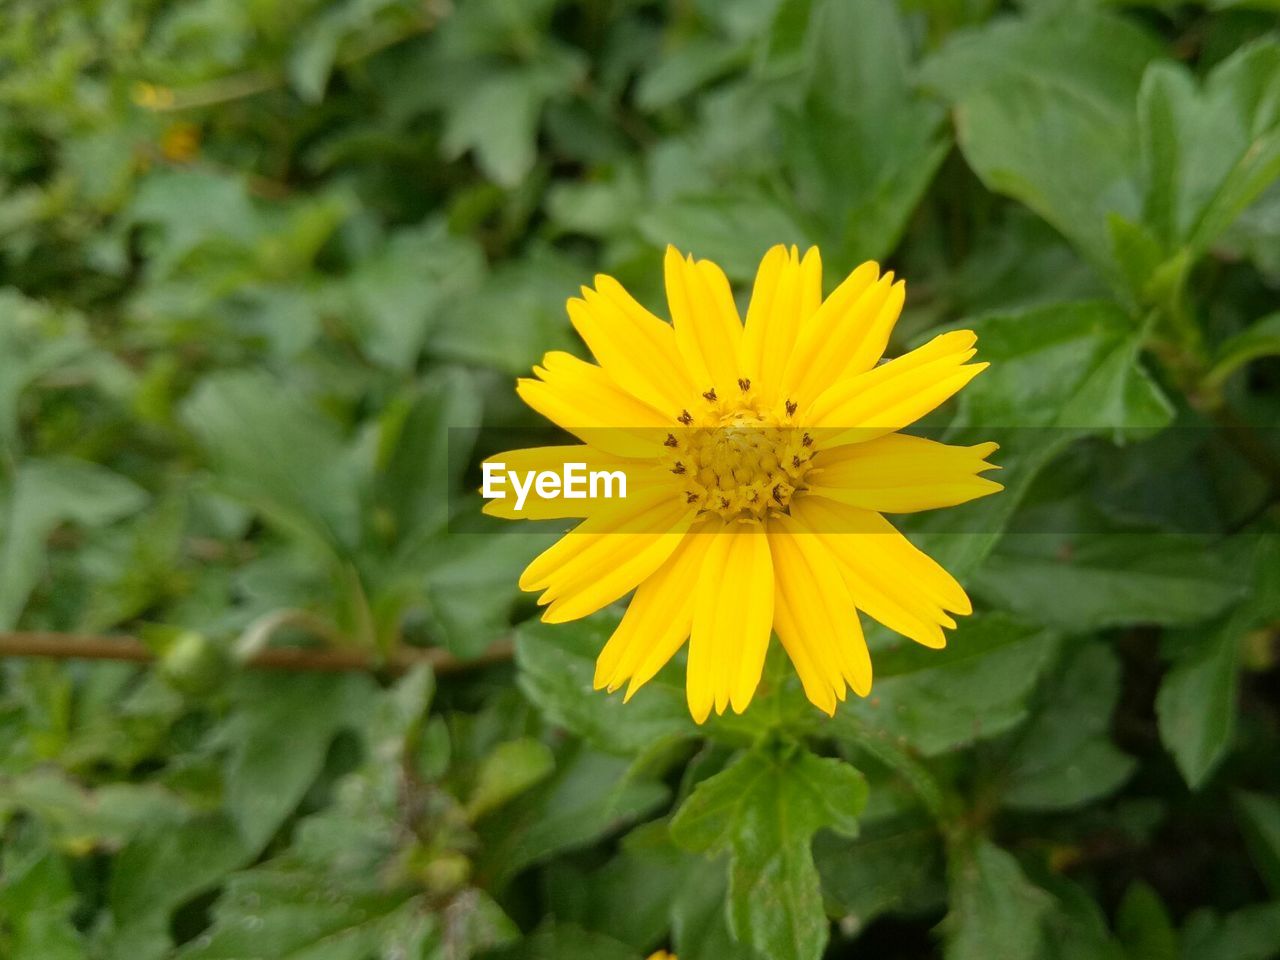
{"points": [[760, 457]]}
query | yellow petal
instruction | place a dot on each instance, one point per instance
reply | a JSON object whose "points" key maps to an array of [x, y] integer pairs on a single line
{"points": [[607, 554], [787, 290], [819, 605], [896, 394], [732, 618], [636, 348], [656, 623], [708, 329], [817, 686], [638, 473], [584, 400], [888, 576], [846, 335], [897, 473]]}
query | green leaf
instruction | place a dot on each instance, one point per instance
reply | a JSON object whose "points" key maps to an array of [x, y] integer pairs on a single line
{"points": [[1064, 758], [893, 865], [937, 700], [1259, 817], [276, 911], [1196, 704], [165, 867], [36, 902], [1070, 366], [279, 454], [398, 294], [1208, 154], [509, 770], [498, 117], [557, 666], [733, 228], [34, 341], [1143, 925], [864, 146], [425, 440], [589, 796], [1058, 373], [1089, 581], [995, 910], [1252, 933], [699, 920], [45, 494], [765, 809], [280, 735], [1044, 114], [1260, 339]]}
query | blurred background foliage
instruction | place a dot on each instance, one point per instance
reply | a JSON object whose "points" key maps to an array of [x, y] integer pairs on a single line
{"points": [[268, 266]]}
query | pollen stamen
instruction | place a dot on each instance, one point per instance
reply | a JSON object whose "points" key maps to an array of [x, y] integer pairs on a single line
{"points": [[747, 464]]}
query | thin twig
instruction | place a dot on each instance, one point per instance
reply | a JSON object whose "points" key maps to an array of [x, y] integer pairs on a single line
{"points": [[72, 646]]}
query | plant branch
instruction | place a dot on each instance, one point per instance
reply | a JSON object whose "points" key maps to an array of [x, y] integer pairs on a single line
{"points": [[72, 646]]}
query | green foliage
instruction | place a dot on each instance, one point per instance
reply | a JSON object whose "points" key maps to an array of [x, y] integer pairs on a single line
{"points": [[267, 269]]}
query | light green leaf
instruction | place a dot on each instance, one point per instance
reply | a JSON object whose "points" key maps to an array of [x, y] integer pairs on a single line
{"points": [[995, 910], [498, 117], [1044, 113], [45, 494], [36, 902], [509, 770], [765, 809], [397, 294], [279, 454], [426, 438], [280, 734], [557, 666], [865, 146], [1208, 154], [1143, 925], [1260, 339]]}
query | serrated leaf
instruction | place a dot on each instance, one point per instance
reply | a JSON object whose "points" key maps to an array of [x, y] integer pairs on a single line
{"points": [[765, 809]]}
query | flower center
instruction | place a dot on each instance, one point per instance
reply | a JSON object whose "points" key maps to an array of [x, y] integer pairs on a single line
{"points": [[738, 461]]}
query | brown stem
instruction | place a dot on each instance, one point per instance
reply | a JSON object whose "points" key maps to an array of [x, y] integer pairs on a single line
{"points": [[71, 646]]}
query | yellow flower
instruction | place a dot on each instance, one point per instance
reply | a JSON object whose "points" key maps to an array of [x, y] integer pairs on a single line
{"points": [[662, 955], [760, 457]]}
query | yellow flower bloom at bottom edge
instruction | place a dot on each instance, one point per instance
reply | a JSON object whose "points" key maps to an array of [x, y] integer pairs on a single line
{"points": [[761, 457], [662, 955]]}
